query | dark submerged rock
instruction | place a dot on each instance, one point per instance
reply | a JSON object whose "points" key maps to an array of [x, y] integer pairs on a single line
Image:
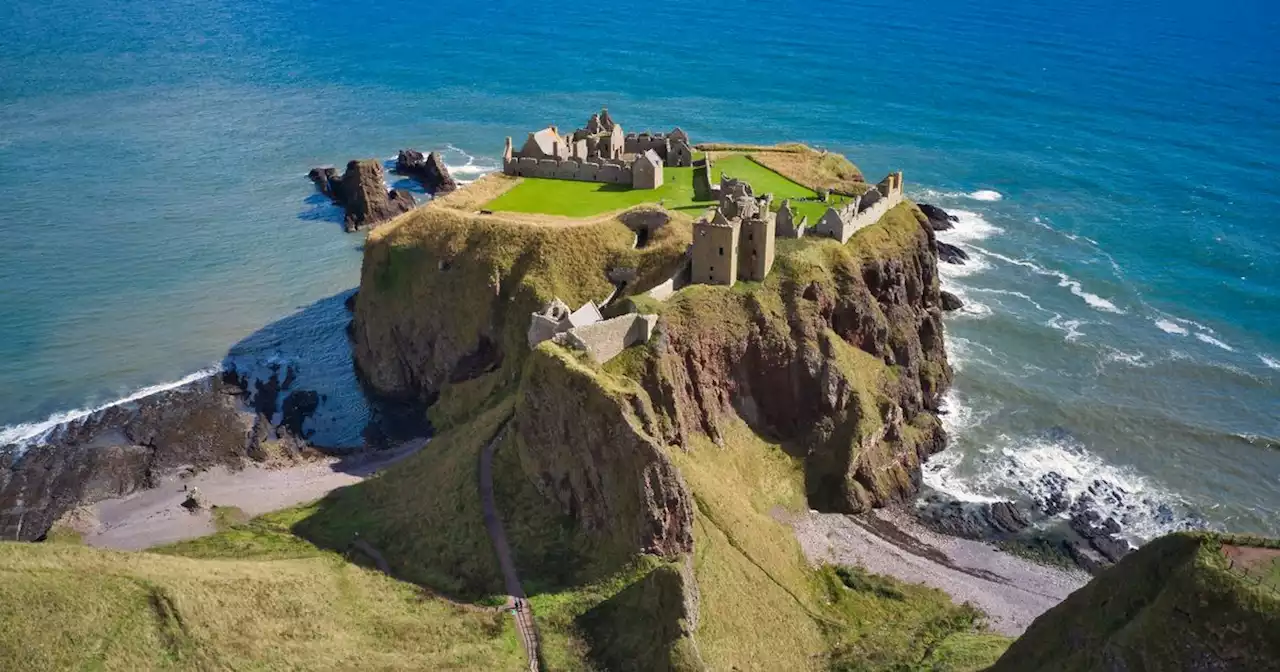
{"points": [[428, 170], [950, 253], [950, 301], [939, 219]]}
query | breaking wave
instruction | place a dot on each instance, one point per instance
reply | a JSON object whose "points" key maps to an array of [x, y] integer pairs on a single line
{"points": [[1206, 338], [1065, 281], [1270, 362], [28, 433], [1055, 472], [986, 195], [1171, 327]]}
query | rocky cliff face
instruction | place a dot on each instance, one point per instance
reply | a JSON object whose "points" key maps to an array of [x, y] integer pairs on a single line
{"points": [[592, 443], [839, 355]]}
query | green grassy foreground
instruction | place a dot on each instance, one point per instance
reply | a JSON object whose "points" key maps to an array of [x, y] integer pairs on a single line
{"points": [[281, 604]]}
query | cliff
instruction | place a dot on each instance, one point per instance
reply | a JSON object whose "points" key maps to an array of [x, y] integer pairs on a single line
{"points": [[823, 381], [1182, 602]]}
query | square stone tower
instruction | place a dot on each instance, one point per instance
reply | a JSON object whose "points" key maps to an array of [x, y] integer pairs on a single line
{"points": [[756, 246], [715, 251]]}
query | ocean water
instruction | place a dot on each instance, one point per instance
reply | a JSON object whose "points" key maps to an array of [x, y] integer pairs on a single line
{"points": [[1113, 167]]}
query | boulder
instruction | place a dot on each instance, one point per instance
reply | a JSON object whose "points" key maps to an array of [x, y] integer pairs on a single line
{"points": [[363, 193], [428, 170], [939, 220], [950, 253], [326, 181], [972, 520], [950, 301], [195, 501], [366, 198]]}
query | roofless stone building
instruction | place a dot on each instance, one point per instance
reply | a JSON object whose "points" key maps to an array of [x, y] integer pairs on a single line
{"points": [[599, 152]]}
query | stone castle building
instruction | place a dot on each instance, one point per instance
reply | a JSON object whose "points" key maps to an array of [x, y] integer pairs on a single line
{"points": [[737, 241], [862, 211], [599, 152]]}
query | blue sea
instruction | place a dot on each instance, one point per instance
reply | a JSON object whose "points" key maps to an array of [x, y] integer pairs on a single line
{"points": [[1113, 167]]}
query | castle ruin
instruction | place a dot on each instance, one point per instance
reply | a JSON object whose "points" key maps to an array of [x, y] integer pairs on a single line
{"points": [[862, 211], [599, 152], [737, 241], [585, 329]]}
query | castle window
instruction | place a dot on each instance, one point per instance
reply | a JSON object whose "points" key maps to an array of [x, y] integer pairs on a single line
{"points": [[722, 251]]}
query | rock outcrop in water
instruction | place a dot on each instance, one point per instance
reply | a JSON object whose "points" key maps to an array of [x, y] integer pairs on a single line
{"points": [[939, 219], [363, 193], [131, 447], [428, 170]]}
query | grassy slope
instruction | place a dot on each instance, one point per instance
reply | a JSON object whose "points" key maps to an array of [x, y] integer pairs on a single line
{"points": [[71, 607], [1172, 605]]}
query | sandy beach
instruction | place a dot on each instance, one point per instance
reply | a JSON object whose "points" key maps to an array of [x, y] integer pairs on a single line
{"points": [[156, 516], [1012, 591]]}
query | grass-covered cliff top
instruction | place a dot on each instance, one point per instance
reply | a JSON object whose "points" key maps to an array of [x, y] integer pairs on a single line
{"points": [[253, 598], [1188, 601], [786, 171]]}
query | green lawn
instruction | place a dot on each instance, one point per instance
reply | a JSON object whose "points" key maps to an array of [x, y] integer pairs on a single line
{"points": [[583, 199], [763, 180], [814, 210]]}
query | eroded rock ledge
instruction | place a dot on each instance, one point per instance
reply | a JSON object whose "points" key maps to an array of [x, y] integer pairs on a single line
{"points": [[120, 450]]}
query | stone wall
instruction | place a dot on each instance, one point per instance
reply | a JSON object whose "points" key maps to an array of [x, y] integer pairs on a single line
{"points": [[863, 211], [787, 225], [604, 340], [608, 171]]}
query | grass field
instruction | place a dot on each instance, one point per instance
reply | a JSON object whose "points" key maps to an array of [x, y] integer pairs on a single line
{"points": [[65, 607], [582, 199]]}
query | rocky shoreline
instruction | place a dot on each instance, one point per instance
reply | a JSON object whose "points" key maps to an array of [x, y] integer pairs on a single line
{"points": [[224, 420]]}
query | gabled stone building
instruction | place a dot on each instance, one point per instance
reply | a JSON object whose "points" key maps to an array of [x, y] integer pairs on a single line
{"points": [[599, 152]]}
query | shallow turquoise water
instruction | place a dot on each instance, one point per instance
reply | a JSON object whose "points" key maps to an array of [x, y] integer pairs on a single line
{"points": [[1124, 289]]}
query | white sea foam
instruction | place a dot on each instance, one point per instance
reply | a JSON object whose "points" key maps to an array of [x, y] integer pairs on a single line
{"points": [[1171, 327], [974, 265], [1270, 362], [1069, 327], [1006, 292], [968, 227], [986, 195], [1047, 469], [1066, 281], [1138, 359], [29, 432], [1206, 338]]}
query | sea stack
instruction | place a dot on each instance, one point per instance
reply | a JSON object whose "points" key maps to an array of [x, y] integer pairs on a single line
{"points": [[363, 193], [428, 170]]}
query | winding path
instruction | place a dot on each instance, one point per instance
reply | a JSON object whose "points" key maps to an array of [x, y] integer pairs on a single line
{"points": [[516, 602]]}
